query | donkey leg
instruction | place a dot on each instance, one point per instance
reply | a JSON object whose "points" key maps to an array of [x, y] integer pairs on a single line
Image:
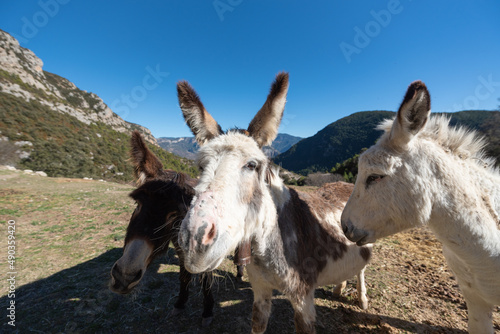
{"points": [[480, 318], [261, 310], [361, 287], [480, 313], [185, 279], [208, 299], [337, 292], [305, 313]]}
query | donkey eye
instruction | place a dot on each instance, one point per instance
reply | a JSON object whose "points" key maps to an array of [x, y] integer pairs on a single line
{"points": [[374, 179], [251, 165]]}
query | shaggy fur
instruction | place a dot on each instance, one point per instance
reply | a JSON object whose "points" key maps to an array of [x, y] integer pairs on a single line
{"points": [[459, 141], [438, 176], [297, 242]]}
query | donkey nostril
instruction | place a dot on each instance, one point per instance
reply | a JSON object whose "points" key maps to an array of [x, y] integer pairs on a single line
{"points": [[344, 228], [138, 276], [211, 233], [115, 271]]}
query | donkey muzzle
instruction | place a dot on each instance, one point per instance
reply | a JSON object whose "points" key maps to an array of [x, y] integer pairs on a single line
{"points": [[355, 235], [199, 230]]}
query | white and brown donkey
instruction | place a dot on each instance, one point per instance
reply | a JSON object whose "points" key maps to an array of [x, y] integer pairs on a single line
{"points": [[296, 238], [422, 171]]}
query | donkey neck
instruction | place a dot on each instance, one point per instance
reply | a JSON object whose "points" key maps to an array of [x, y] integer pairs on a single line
{"points": [[275, 198], [465, 215], [300, 236]]}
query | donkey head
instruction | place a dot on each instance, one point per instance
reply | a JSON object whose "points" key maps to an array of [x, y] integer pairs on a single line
{"points": [[231, 189], [162, 198], [390, 193]]}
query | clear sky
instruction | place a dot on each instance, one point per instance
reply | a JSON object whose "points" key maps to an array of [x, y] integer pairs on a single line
{"points": [[342, 56]]}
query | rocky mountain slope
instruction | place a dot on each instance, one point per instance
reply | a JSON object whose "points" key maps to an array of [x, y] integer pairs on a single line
{"points": [[22, 75], [48, 124]]}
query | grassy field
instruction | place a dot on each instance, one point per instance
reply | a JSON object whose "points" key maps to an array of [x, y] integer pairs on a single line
{"points": [[69, 232]]}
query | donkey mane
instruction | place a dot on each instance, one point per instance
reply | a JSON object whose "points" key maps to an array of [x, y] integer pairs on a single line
{"points": [[458, 140], [179, 178]]}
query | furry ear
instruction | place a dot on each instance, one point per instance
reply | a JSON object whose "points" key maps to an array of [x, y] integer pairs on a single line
{"points": [[201, 123], [146, 164], [412, 114], [264, 126]]}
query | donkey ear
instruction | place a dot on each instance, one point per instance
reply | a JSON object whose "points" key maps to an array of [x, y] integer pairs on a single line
{"points": [[264, 127], [412, 114], [201, 123], [146, 164]]}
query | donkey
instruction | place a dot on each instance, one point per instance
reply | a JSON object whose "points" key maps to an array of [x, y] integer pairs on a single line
{"points": [[162, 198], [422, 171], [296, 238]]}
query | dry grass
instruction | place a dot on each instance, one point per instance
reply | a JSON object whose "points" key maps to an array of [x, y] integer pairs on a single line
{"points": [[69, 232]]}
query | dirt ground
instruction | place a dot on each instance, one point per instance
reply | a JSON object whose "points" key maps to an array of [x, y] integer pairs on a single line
{"points": [[69, 232]]}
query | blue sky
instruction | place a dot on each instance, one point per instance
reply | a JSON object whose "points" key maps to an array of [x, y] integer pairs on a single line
{"points": [[342, 56]]}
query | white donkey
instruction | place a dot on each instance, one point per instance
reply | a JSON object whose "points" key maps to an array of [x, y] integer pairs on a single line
{"points": [[422, 171], [297, 242]]}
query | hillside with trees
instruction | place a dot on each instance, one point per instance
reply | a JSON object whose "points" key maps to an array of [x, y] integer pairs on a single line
{"points": [[338, 144], [61, 145]]}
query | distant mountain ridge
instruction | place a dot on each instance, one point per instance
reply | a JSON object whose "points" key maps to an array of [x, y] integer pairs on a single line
{"points": [[336, 142], [346, 137], [187, 147]]}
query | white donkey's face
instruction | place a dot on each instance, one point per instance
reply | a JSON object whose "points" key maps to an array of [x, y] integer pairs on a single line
{"points": [[228, 199], [391, 193], [232, 182]]}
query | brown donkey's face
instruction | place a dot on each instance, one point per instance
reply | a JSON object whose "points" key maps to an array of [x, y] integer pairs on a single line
{"points": [[232, 186], [159, 210], [162, 200]]}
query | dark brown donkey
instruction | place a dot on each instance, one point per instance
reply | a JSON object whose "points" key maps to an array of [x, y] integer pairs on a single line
{"points": [[163, 198]]}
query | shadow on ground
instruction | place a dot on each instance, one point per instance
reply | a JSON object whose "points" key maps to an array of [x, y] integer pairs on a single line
{"points": [[77, 300]]}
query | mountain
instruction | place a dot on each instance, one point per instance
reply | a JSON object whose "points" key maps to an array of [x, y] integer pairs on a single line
{"points": [[281, 144], [337, 142], [22, 76], [53, 126], [186, 147], [343, 139]]}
